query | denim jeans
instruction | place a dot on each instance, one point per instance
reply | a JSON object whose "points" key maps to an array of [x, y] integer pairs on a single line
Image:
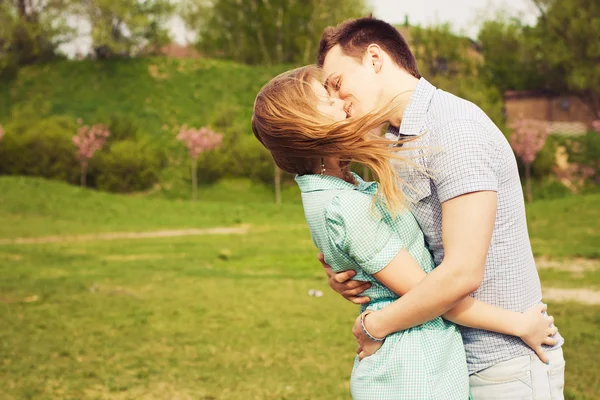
{"points": [[521, 378]]}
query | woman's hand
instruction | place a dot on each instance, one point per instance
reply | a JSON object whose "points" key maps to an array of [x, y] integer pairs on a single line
{"points": [[537, 329], [366, 346]]}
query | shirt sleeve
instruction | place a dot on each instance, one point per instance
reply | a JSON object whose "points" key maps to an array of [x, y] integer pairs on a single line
{"points": [[464, 160], [357, 230]]}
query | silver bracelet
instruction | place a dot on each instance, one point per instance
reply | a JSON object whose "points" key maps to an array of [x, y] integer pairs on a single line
{"points": [[364, 328]]}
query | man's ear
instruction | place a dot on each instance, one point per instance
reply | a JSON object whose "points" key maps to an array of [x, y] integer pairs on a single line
{"points": [[375, 57]]}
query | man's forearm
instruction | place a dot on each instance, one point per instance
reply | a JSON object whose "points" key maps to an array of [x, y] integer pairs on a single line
{"points": [[440, 291]]}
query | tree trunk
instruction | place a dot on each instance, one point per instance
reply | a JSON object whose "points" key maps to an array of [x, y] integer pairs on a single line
{"points": [[22, 9], [277, 185], [279, 43], [83, 174], [528, 182], [194, 179]]}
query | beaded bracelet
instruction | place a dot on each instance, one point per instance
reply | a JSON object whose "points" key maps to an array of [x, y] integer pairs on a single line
{"points": [[364, 328]]}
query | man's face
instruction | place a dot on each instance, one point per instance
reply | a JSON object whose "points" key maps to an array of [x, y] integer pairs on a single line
{"points": [[352, 81]]}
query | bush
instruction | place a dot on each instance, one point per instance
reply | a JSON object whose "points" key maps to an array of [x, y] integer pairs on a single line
{"points": [[121, 127], [248, 158], [545, 159], [44, 148], [239, 156], [585, 150], [212, 165], [129, 166], [549, 188]]}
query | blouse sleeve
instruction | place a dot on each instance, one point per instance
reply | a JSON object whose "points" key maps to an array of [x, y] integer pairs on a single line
{"points": [[357, 230]]}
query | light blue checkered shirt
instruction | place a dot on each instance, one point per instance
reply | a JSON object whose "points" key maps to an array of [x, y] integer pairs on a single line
{"points": [[465, 152]]}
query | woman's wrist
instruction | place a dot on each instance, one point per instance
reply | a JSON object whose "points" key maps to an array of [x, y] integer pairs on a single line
{"points": [[518, 324], [375, 325]]}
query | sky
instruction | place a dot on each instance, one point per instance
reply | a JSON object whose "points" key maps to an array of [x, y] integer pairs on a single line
{"points": [[463, 15]]}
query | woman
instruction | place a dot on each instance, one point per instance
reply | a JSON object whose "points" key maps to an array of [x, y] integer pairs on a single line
{"points": [[366, 227]]}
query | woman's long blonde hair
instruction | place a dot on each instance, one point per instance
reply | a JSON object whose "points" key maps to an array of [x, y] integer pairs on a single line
{"points": [[287, 122]]}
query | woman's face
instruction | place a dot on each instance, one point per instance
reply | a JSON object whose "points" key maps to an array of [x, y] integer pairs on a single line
{"points": [[330, 106]]}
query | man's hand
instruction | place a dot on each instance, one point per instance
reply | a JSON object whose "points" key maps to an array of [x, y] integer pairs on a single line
{"points": [[342, 284], [366, 346]]}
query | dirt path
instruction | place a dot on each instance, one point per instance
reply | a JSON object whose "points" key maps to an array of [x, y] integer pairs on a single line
{"points": [[583, 296], [577, 267], [240, 230]]}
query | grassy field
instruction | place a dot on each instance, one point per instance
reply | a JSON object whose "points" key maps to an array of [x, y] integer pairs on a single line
{"points": [[209, 317]]}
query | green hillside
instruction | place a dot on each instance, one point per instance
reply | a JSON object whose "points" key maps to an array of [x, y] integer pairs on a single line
{"points": [[154, 91]]}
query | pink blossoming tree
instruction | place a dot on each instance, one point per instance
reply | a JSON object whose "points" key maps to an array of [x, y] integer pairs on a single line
{"points": [[88, 140], [596, 124], [528, 138], [1, 132], [198, 141]]}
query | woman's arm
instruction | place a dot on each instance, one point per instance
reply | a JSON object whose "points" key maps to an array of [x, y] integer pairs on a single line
{"points": [[403, 273]]}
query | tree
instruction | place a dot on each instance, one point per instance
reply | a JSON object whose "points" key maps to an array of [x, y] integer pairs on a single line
{"points": [[528, 138], [265, 31], [441, 52], [568, 31], [88, 140], [596, 124], [513, 59], [32, 30], [558, 54], [198, 141], [1, 132], [123, 27]]}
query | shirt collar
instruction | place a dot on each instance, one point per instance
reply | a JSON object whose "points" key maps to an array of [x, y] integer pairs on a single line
{"points": [[413, 119], [314, 182]]}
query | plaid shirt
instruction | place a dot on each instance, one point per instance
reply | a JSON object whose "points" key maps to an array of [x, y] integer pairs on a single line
{"points": [[465, 152]]}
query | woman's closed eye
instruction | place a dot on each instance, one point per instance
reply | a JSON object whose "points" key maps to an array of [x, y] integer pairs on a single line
{"points": [[333, 85], [337, 84]]}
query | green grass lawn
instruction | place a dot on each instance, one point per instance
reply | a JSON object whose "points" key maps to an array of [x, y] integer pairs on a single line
{"points": [[206, 317]]}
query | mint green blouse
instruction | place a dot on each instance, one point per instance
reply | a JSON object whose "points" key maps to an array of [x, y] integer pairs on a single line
{"points": [[426, 362], [354, 233]]}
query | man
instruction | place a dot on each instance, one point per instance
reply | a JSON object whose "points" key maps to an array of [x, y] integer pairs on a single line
{"points": [[469, 206]]}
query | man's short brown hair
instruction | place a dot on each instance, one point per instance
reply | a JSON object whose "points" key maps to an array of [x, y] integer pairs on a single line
{"points": [[355, 35]]}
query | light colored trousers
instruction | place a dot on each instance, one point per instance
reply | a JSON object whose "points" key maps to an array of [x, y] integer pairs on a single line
{"points": [[521, 378]]}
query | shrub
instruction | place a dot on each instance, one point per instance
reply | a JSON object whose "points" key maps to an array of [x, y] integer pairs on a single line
{"points": [[239, 156], [545, 159], [44, 148], [128, 166], [585, 150], [549, 188], [122, 127], [248, 158], [212, 166]]}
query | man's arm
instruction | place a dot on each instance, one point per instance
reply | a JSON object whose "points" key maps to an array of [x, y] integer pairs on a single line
{"points": [[342, 284], [467, 226], [403, 273]]}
